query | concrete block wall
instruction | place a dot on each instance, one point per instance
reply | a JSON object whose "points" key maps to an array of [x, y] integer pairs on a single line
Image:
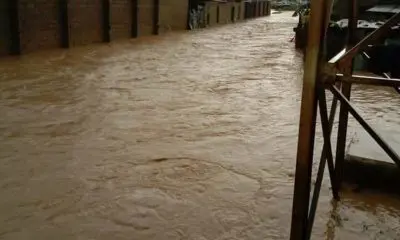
{"points": [[173, 15], [145, 17], [121, 19], [5, 35], [38, 23], [85, 22]]}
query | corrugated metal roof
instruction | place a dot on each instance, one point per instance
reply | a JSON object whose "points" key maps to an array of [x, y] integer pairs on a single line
{"points": [[385, 9]]}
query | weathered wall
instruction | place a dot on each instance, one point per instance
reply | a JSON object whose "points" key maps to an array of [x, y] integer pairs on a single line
{"points": [[211, 13], [225, 12], [4, 28], [173, 15], [41, 21], [241, 10], [39, 25], [257, 9], [85, 22], [262, 8], [258, 5], [145, 17], [121, 19], [269, 7]]}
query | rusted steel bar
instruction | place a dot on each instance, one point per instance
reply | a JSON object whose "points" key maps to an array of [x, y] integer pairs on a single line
{"points": [[327, 124], [326, 151], [370, 39], [385, 146], [367, 80], [346, 90], [338, 56], [305, 147]]}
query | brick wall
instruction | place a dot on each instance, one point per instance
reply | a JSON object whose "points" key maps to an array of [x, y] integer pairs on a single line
{"points": [[173, 15], [39, 26], [145, 17], [4, 29], [85, 21], [121, 18]]}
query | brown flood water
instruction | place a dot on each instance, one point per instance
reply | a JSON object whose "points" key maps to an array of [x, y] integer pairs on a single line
{"points": [[184, 136]]}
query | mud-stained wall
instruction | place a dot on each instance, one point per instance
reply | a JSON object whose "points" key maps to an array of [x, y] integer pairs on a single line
{"points": [[39, 25], [145, 17], [173, 15], [121, 19], [228, 12], [85, 22], [5, 35], [241, 10], [257, 9], [225, 13], [262, 6], [210, 12], [43, 24]]}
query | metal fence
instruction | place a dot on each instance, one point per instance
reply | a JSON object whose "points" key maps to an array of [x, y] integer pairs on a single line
{"points": [[335, 75]]}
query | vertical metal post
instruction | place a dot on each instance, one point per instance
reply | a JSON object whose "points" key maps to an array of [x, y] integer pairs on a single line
{"points": [[327, 124], [15, 47], [305, 146], [134, 20], [156, 16], [64, 23], [106, 21], [346, 90]]}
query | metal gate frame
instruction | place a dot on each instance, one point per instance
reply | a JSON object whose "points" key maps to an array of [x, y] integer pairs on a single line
{"points": [[335, 75]]}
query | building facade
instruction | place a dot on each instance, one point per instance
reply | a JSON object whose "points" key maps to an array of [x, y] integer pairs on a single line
{"points": [[32, 25]]}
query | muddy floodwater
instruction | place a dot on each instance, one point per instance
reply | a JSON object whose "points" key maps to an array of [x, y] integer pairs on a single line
{"points": [[188, 135]]}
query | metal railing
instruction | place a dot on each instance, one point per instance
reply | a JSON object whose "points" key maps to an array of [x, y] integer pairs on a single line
{"points": [[335, 75]]}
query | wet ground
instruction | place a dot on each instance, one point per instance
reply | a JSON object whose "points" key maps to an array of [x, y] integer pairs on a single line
{"points": [[185, 136]]}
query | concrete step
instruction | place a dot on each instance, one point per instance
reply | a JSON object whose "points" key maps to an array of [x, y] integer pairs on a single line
{"points": [[368, 166]]}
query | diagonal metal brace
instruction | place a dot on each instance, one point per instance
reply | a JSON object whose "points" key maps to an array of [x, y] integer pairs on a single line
{"points": [[379, 140]]}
